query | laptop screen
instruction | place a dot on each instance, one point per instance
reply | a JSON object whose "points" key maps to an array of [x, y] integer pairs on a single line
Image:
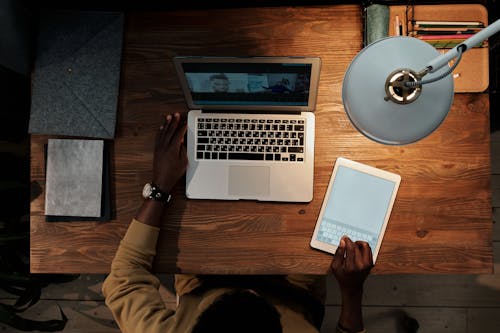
{"points": [[247, 84]]}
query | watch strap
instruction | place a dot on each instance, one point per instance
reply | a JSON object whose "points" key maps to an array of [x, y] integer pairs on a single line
{"points": [[158, 195]]}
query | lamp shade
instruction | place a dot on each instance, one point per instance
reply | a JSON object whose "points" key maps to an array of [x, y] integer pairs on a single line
{"points": [[381, 119]]}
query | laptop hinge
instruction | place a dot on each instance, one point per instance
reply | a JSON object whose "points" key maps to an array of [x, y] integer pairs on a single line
{"points": [[251, 112]]}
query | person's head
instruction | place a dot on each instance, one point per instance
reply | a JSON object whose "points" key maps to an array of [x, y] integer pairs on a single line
{"points": [[219, 82], [241, 311]]}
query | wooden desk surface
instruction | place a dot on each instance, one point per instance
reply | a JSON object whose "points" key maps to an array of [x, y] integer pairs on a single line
{"points": [[441, 221]]}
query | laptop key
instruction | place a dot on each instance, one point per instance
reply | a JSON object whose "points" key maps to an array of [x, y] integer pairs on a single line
{"points": [[269, 157], [245, 156], [295, 149]]}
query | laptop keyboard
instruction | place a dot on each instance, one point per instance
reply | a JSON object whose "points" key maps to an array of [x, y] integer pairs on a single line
{"points": [[250, 139]]}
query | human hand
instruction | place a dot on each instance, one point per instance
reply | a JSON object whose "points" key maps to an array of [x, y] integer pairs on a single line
{"points": [[170, 156], [351, 265]]}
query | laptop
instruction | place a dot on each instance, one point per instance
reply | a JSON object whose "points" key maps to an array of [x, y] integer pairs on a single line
{"points": [[250, 127]]}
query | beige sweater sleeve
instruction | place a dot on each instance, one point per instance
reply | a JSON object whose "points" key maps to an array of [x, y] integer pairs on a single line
{"points": [[130, 290]]}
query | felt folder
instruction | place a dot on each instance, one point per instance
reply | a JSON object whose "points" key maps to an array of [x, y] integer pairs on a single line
{"points": [[77, 74]]}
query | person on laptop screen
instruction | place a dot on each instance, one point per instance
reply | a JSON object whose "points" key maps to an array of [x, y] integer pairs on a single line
{"points": [[273, 304], [219, 83]]}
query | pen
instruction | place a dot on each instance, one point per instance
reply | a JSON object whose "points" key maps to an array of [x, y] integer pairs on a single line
{"points": [[397, 26]]}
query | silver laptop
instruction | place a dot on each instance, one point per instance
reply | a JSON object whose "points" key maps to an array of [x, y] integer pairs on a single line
{"points": [[250, 127]]}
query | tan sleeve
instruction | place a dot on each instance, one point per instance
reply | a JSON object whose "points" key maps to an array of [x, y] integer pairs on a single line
{"points": [[130, 290]]}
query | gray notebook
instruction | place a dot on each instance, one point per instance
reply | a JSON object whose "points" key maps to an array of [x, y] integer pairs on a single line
{"points": [[74, 178], [77, 74]]}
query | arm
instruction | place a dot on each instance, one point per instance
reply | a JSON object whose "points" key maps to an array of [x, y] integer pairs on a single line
{"points": [[169, 164], [351, 265], [131, 291]]}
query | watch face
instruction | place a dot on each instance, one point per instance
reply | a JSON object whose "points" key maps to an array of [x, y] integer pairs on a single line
{"points": [[147, 191]]}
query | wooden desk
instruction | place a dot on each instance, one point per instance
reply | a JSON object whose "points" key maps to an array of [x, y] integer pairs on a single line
{"points": [[441, 222]]}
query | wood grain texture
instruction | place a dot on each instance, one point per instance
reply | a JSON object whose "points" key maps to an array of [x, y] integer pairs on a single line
{"points": [[496, 224], [441, 221]]}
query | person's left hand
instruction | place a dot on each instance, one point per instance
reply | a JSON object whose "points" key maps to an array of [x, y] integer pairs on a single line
{"points": [[170, 156]]}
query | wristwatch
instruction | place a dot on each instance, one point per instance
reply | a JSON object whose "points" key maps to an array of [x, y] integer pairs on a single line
{"points": [[152, 191]]}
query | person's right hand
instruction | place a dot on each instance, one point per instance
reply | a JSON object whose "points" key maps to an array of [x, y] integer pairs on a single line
{"points": [[352, 264]]}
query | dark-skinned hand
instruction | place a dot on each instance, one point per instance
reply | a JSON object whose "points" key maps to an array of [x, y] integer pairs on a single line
{"points": [[352, 264], [170, 156]]}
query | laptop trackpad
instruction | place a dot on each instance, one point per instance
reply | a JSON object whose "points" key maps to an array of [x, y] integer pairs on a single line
{"points": [[249, 181]]}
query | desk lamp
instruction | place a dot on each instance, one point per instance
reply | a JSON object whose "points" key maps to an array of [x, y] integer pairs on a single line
{"points": [[391, 103]]}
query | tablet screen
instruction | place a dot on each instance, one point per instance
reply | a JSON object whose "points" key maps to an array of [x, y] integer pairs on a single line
{"points": [[356, 207]]}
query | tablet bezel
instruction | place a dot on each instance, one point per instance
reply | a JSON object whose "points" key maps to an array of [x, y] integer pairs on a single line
{"points": [[396, 179]]}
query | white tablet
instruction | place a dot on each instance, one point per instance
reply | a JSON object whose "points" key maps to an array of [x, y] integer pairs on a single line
{"points": [[358, 203]]}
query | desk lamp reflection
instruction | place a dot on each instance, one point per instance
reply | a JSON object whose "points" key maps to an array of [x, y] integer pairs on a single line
{"points": [[391, 103]]}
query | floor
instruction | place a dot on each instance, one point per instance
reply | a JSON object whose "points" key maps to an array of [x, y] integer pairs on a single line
{"points": [[440, 303]]}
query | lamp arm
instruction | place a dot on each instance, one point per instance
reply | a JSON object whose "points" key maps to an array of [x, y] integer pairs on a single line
{"points": [[442, 60]]}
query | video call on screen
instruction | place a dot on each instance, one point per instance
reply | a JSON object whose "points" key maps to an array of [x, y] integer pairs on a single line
{"points": [[248, 84]]}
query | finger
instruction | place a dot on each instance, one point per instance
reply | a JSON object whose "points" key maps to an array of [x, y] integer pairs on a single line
{"points": [[365, 253], [171, 129], [338, 259], [158, 136], [350, 252], [370, 256], [164, 128], [184, 157], [359, 263], [161, 129], [179, 134]]}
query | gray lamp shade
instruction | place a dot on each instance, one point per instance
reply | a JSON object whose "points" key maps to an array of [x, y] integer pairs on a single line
{"points": [[385, 121]]}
